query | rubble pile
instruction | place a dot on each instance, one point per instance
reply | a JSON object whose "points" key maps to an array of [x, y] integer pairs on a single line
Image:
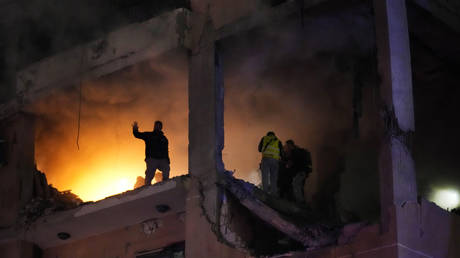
{"points": [[291, 226], [140, 181], [46, 200]]}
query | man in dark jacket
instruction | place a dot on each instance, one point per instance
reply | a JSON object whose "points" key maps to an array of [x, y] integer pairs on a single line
{"points": [[156, 151], [297, 167]]}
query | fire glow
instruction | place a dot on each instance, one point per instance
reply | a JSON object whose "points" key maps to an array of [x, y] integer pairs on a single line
{"points": [[108, 159], [96, 172]]}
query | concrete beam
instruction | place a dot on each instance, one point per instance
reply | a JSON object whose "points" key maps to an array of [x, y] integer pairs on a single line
{"points": [[127, 46], [265, 17], [122, 48], [442, 11], [312, 236], [104, 216]]}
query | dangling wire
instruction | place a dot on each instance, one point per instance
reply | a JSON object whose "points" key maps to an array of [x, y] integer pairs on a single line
{"points": [[79, 117], [79, 99]]}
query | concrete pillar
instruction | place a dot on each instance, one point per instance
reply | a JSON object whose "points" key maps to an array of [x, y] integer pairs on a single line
{"points": [[397, 172], [206, 141], [17, 175], [400, 212]]}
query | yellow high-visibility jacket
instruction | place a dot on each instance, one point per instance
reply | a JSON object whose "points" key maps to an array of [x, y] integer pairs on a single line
{"points": [[270, 147]]}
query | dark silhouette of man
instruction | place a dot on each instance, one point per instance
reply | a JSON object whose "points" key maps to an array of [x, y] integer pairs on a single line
{"points": [[156, 151], [297, 167]]}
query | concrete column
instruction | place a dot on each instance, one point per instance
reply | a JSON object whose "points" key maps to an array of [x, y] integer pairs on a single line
{"points": [[206, 141], [400, 212], [17, 176], [397, 173]]}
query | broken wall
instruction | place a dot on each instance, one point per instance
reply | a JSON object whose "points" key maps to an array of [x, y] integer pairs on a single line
{"points": [[16, 175], [430, 239]]}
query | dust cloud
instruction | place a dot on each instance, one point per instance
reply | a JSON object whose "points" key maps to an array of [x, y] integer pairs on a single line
{"points": [[296, 82]]}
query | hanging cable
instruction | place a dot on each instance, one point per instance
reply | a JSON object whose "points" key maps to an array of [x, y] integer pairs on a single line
{"points": [[80, 99], [79, 117]]}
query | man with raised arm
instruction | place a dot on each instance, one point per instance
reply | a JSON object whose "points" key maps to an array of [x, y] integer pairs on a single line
{"points": [[156, 151]]}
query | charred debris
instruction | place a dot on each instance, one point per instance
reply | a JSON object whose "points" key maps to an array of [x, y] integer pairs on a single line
{"points": [[264, 224]]}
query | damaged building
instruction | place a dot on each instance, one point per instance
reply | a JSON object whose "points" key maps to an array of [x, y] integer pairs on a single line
{"points": [[359, 74]]}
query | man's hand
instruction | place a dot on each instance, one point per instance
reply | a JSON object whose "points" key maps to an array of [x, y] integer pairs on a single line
{"points": [[135, 126]]}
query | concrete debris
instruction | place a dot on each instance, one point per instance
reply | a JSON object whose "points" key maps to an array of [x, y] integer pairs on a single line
{"points": [[309, 234], [140, 181], [150, 226], [46, 200]]}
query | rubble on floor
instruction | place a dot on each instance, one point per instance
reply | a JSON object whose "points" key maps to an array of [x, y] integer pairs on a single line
{"points": [[293, 222], [140, 182], [46, 200]]}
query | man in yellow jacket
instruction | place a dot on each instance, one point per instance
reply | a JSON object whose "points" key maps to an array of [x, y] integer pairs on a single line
{"points": [[271, 148]]}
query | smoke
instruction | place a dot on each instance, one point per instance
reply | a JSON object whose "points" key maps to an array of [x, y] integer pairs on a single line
{"points": [[36, 29], [48, 27], [296, 81], [291, 80], [155, 90]]}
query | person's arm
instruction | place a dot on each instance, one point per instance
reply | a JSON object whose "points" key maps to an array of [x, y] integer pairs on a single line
{"points": [[261, 143], [136, 132]]}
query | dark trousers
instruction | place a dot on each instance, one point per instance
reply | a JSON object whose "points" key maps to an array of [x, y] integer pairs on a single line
{"points": [[152, 166]]}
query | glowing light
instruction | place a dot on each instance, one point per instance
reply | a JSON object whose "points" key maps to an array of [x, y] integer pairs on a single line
{"points": [[109, 159], [254, 177], [123, 184], [446, 198], [104, 183]]}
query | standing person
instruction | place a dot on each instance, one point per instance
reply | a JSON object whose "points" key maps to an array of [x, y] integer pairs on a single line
{"points": [[298, 163], [286, 175], [156, 151], [271, 148]]}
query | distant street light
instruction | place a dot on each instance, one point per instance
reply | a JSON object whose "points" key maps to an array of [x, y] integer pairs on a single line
{"points": [[446, 198]]}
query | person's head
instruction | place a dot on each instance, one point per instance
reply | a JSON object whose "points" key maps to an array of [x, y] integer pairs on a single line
{"points": [[290, 145], [270, 133], [158, 126]]}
